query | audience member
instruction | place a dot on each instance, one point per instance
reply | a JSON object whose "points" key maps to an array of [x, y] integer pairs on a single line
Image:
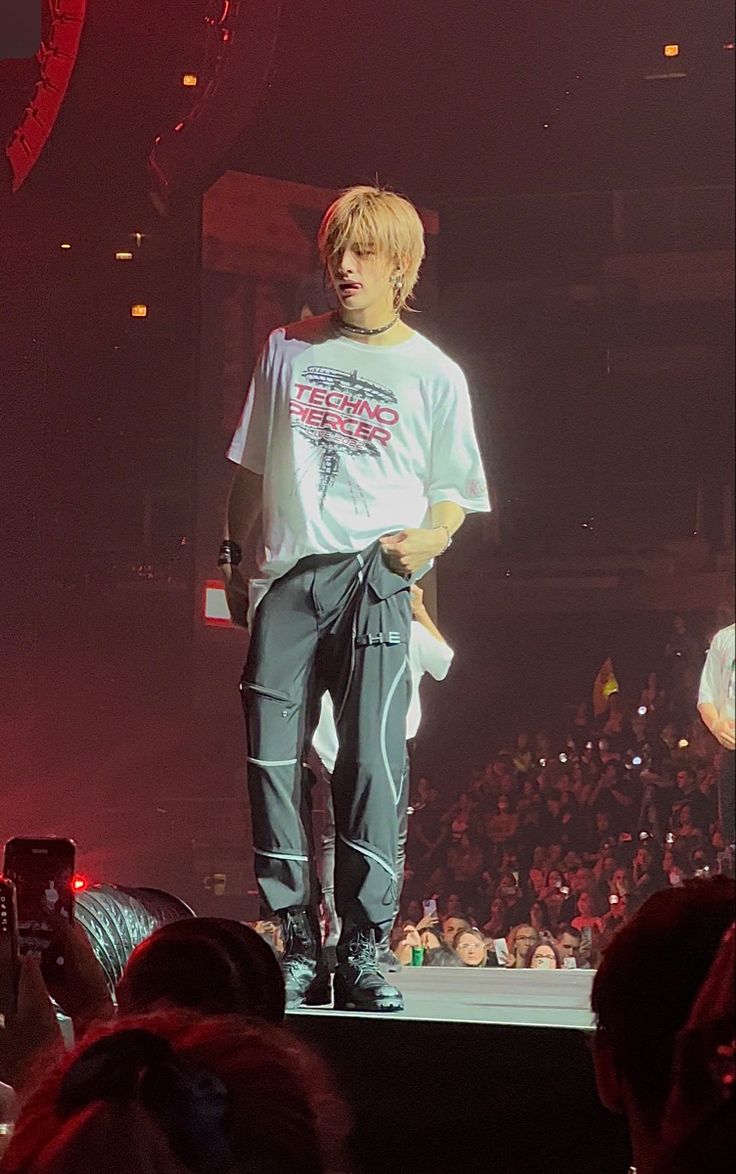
{"points": [[568, 944], [471, 947], [544, 956], [451, 927], [699, 1127], [207, 964], [522, 940], [643, 994], [586, 917], [175, 1092]]}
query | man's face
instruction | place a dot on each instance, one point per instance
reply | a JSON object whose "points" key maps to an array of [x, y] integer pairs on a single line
{"points": [[452, 926], [569, 944], [362, 279]]}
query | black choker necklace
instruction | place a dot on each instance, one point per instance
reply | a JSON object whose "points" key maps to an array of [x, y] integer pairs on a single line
{"points": [[364, 330]]}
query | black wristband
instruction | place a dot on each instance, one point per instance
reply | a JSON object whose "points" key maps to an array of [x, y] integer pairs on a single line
{"points": [[231, 554]]}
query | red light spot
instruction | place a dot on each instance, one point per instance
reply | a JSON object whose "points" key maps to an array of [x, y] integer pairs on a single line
{"points": [[79, 883], [215, 612]]}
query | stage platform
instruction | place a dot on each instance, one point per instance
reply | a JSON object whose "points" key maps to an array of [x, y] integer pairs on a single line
{"points": [[519, 998], [483, 1071]]}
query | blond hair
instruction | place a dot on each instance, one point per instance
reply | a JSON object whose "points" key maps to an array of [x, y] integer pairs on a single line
{"points": [[371, 217]]}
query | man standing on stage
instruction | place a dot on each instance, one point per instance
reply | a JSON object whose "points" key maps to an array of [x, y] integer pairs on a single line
{"points": [[716, 706], [356, 447]]}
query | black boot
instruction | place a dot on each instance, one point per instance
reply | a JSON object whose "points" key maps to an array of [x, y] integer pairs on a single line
{"points": [[359, 984], [306, 977]]}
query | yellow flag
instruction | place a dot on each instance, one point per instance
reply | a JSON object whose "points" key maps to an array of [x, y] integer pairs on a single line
{"points": [[604, 686]]}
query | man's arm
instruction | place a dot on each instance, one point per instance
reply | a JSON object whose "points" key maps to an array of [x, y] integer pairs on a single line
{"points": [[721, 729], [244, 505], [244, 510], [719, 726], [409, 550], [448, 515], [422, 616]]}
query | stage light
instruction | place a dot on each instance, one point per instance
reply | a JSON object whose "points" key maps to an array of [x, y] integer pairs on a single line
{"points": [[671, 50], [139, 310], [636, 760], [683, 744], [563, 759], [216, 612], [642, 711], [189, 79], [729, 46], [65, 245], [124, 256]]}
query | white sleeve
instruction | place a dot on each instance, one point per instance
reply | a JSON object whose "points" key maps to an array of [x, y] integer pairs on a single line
{"points": [[456, 470], [710, 678], [430, 655], [324, 739], [250, 442]]}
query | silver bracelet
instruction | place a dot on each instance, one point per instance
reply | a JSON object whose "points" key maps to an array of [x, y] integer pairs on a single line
{"points": [[448, 536]]}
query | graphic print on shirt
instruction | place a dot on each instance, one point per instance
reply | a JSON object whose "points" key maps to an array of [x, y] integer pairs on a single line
{"points": [[341, 415]]}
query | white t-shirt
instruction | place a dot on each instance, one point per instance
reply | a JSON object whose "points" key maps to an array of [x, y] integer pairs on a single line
{"points": [[353, 442], [717, 682], [427, 654]]}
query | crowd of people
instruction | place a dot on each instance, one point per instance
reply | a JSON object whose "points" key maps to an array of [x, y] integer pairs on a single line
{"points": [[556, 841]]}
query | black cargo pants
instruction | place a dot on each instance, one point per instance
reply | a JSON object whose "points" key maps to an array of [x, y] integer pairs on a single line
{"points": [[341, 623]]}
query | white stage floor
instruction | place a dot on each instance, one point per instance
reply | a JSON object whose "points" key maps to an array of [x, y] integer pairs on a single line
{"points": [[517, 998]]}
